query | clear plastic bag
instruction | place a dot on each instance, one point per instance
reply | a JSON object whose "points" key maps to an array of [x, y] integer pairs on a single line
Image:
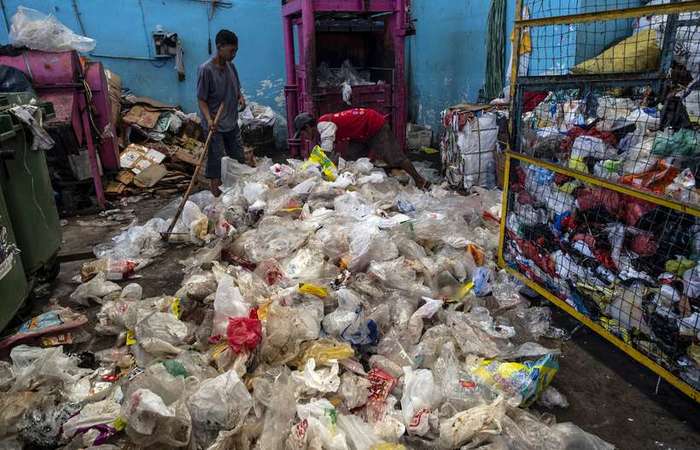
{"points": [[471, 339], [322, 380], [38, 31], [349, 305], [150, 421], [360, 435], [228, 303], [463, 426], [420, 396], [95, 289], [220, 403], [352, 205], [354, 390], [158, 332], [43, 367], [321, 416]]}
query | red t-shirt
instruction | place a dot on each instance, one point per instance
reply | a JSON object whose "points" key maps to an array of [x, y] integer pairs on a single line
{"points": [[357, 124]]}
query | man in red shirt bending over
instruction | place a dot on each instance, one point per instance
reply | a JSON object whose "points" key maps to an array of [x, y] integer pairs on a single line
{"points": [[367, 134]]}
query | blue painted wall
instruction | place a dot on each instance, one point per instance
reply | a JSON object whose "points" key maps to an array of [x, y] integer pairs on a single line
{"points": [[123, 28], [446, 57]]}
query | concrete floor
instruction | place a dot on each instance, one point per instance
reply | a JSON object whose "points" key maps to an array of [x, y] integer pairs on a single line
{"points": [[610, 394]]}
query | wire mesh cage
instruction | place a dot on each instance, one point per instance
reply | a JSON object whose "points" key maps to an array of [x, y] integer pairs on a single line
{"points": [[632, 135], [629, 265], [605, 37], [602, 203]]}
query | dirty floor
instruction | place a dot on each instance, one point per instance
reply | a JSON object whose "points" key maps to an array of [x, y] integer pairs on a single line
{"points": [[610, 394]]}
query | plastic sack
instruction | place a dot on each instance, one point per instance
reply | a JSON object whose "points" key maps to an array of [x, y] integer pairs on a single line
{"points": [[415, 323], [459, 390], [228, 302], [158, 379], [353, 205], [94, 289], [420, 396], [360, 435], [38, 31], [321, 430], [324, 351], [318, 157], [551, 398], [637, 53], [149, 421], [159, 331], [244, 333], [99, 415], [321, 380], [354, 390], [526, 380], [463, 426], [220, 403], [38, 367]]}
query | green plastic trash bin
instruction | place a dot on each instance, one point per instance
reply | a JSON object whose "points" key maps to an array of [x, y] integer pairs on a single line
{"points": [[25, 181], [14, 288]]}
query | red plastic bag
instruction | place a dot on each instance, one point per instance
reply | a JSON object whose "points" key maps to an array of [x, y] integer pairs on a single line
{"points": [[244, 333]]}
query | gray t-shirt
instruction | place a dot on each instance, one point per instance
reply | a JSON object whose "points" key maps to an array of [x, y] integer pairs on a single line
{"points": [[216, 84]]}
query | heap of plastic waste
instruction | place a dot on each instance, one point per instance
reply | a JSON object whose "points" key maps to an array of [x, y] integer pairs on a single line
{"points": [[325, 308]]}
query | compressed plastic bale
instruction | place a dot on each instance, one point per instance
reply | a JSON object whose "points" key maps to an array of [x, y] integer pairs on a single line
{"points": [[220, 403]]}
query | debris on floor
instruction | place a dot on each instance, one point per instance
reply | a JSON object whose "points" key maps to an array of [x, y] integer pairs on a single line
{"points": [[320, 308]]}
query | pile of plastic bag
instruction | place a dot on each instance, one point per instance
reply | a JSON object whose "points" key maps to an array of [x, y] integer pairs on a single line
{"points": [[356, 313]]}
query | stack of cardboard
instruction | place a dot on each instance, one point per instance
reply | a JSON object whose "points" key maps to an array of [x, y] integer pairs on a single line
{"points": [[143, 169]]}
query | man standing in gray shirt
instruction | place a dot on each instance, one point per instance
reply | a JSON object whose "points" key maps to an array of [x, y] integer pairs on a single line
{"points": [[217, 82]]}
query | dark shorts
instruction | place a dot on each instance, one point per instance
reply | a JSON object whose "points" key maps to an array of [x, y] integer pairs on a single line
{"points": [[227, 143], [382, 145]]}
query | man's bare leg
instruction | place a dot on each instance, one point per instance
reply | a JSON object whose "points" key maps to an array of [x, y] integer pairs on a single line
{"points": [[421, 182], [215, 186]]}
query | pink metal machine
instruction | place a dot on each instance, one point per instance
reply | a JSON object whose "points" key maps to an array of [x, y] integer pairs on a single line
{"points": [[81, 100], [370, 34]]}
